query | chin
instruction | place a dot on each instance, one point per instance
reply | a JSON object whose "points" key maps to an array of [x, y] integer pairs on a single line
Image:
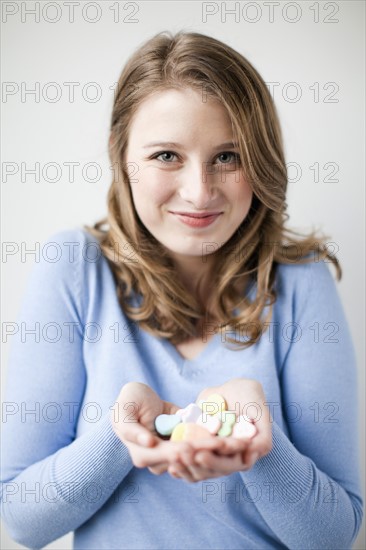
{"points": [[192, 251]]}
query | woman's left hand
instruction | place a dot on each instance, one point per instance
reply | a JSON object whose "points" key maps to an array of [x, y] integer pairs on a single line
{"points": [[245, 396]]}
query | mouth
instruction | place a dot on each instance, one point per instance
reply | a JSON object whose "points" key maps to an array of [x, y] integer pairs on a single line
{"points": [[197, 220], [195, 215]]}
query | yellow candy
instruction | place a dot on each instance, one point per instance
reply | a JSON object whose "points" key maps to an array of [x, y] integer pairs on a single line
{"points": [[213, 404], [178, 432]]}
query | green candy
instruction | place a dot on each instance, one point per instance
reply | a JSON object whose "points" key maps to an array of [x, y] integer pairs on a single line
{"points": [[228, 419]]}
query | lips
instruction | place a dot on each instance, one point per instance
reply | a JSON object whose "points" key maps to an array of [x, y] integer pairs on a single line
{"points": [[194, 215], [197, 220]]}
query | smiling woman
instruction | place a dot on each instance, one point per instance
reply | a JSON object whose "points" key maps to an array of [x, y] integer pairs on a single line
{"points": [[201, 140], [199, 196]]}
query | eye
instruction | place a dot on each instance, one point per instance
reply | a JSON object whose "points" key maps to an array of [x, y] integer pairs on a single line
{"points": [[161, 153], [233, 157]]}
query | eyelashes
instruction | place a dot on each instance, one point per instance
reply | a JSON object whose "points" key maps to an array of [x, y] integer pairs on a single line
{"points": [[235, 157]]}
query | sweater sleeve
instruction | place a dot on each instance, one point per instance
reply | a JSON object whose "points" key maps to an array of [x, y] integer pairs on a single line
{"points": [[51, 480], [309, 484]]}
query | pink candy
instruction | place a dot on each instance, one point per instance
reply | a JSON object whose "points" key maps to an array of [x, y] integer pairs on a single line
{"points": [[190, 413], [211, 423], [244, 428]]}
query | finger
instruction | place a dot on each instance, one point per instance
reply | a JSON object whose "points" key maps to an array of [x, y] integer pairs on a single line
{"points": [[134, 432], [211, 443], [220, 445], [165, 451], [159, 469], [221, 464], [178, 470], [232, 445], [199, 472]]}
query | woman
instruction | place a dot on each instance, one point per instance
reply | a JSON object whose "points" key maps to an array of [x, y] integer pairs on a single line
{"points": [[193, 287]]}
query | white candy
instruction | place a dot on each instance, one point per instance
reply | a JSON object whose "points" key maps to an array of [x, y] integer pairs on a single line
{"points": [[190, 413]]}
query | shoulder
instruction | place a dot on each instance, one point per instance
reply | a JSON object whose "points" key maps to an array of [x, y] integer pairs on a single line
{"points": [[72, 264], [308, 286], [65, 253], [315, 274], [71, 247], [67, 238]]}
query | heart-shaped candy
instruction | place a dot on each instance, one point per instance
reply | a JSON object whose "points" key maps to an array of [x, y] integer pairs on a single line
{"points": [[213, 404], [190, 413], [228, 419], [244, 428], [165, 423]]}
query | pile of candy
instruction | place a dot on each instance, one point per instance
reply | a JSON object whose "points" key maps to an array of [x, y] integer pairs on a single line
{"points": [[199, 421]]}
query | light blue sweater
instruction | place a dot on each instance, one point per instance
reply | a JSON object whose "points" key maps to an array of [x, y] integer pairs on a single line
{"points": [[64, 469]]}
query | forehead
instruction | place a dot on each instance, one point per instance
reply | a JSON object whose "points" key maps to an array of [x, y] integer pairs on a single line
{"points": [[172, 106]]}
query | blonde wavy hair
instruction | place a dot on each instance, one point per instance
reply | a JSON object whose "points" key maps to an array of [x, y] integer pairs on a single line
{"points": [[251, 255]]}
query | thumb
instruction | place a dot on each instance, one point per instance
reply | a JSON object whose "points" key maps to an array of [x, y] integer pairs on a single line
{"points": [[133, 432]]}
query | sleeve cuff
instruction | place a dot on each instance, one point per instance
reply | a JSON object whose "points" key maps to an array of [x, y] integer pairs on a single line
{"points": [[284, 467], [96, 462]]}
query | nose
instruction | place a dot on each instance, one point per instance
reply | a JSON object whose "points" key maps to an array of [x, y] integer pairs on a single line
{"points": [[197, 185]]}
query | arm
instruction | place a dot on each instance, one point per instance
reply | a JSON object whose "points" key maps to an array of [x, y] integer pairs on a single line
{"points": [[310, 483], [51, 481]]}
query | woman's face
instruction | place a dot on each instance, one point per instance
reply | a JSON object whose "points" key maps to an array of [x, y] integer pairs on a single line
{"points": [[195, 171]]}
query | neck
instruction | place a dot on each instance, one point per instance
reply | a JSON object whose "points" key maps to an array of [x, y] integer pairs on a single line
{"points": [[196, 276]]}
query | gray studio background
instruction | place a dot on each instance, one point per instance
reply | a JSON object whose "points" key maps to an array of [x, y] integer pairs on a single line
{"points": [[311, 52]]}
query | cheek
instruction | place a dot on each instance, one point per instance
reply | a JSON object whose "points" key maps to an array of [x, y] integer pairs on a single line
{"points": [[151, 190], [242, 195], [158, 188]]}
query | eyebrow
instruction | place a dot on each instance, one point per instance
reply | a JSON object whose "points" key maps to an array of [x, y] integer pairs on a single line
{"points": [[174, 144]]}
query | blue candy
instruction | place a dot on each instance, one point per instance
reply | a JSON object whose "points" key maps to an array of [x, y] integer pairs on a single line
{"points": [[165, 423]]}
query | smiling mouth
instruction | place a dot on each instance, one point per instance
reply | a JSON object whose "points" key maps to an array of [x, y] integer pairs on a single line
{"points": [[193, 215], [197, 221]]}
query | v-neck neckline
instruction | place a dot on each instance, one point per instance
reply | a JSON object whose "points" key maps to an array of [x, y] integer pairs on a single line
{"points": [[212, 345], [181, 361]]}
